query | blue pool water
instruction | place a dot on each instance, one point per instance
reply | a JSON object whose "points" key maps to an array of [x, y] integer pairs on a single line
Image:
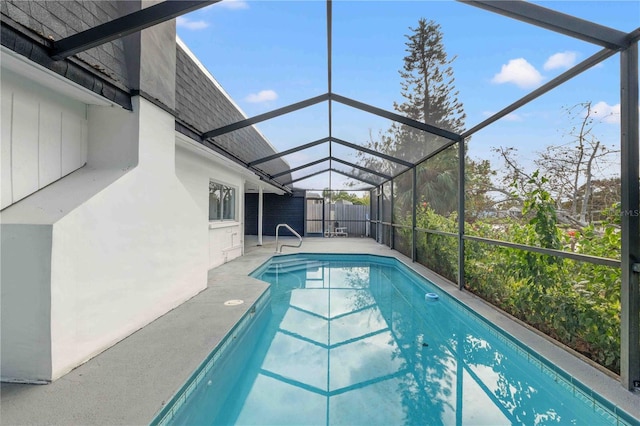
{"points": [[356, 340]]}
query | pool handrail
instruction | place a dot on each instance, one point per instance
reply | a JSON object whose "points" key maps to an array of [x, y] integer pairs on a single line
{"points": [[287, 245]]}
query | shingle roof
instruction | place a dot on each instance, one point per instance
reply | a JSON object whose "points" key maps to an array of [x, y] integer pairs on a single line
{"points": [[55, 20], [202, 105]]}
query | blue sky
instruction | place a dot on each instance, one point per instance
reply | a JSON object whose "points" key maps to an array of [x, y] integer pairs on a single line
{"points": [[268, 54]]}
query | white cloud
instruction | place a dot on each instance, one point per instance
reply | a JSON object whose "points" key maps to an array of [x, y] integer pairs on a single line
{"points": [[262, 96], [234, 4], [606, 113], [519, 72], [184, 22], [561, 60], [512, 117], [509, 117]]}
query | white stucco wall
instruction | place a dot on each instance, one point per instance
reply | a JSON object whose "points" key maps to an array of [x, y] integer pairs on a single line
{"points": [[195, 169], [25, 295], [129, 254], [91, 256], [124, 246]]}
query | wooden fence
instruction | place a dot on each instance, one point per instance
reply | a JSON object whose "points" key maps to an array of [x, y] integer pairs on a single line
{"points": [[352, 217]]}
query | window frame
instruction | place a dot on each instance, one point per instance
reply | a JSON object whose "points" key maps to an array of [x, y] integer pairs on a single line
{"points": [[221, 210]]}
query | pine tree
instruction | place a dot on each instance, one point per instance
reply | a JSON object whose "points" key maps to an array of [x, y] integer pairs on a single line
{"points": [[427, 86]]}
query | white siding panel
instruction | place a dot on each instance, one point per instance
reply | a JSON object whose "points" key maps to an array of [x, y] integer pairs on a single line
{"points": [[73, 150], [5, 153], [50, 143], [24, 145], [44, 137]]}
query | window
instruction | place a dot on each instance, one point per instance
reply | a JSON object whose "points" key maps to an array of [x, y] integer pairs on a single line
{"points": [[222, 202]]}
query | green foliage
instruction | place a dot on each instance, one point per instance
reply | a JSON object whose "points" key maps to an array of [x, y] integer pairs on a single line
{"points": [[539, 203], [478, 176], [613, 214], [334, 196], [438, 252], [577, 303], [437, 181]]}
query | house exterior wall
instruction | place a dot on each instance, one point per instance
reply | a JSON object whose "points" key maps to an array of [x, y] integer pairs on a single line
{"points": [[25, 301], [44, 137], [225, 239], [125, 250], [109, 247], [128, 254], [251, 213], [277, 209], [105, 225]]}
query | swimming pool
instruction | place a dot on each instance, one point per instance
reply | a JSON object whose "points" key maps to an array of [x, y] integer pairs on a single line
{"points": [[360, 339]]}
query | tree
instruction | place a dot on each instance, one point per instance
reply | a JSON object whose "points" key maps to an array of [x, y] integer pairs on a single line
{"points": [[333, 196], [481, 194], [430, 97], [427, 86], [605, 193], [573, 169]]}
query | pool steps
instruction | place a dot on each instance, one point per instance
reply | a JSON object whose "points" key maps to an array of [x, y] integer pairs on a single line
{"points": [[292, 265]]}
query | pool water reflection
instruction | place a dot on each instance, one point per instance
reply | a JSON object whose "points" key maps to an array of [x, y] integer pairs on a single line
{"points": [[355, 342]]}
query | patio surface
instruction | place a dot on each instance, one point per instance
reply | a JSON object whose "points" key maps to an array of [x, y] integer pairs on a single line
{"points": [[130, 382]]}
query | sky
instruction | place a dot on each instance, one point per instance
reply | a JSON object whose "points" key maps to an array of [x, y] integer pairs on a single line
{"points": [[269, 54]]}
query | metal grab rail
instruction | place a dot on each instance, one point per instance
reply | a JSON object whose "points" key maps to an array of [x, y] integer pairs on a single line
{"points": [[287, 245]]}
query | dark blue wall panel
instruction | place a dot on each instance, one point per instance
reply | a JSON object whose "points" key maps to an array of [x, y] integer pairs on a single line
{"points": [[251, 214], [277, 209]]}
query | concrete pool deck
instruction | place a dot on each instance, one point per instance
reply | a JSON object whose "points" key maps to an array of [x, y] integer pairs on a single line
{"points": [[130, 382]]}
